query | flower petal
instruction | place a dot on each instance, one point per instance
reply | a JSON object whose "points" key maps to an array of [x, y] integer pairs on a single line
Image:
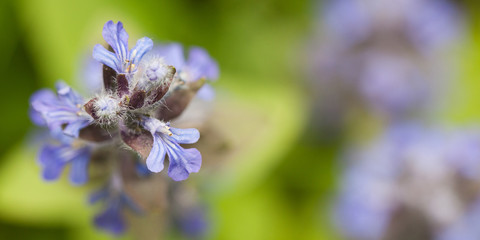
{"points": [[183, 162], [111, 219], [106, 57], [39, 96], [73, 128], [79, 168], [143, 46], [157, 155], [185, 136], [67, 95], [116, 36], [206, 93], [201, 65], [51, 163]]}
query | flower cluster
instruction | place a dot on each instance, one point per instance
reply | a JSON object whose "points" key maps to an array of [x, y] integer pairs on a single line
{"points": [[412, 180], [144, 88], [381, 55]]}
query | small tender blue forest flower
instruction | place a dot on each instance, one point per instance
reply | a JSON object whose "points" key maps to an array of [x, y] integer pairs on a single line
{"points": [[54, 157], [166, 140], [199, 65], [115, 201], [140, 96], [135, 91], [64, 111], [123, 60]]}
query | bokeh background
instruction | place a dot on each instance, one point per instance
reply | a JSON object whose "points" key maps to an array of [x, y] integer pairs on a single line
{"points": [[282, 183]]}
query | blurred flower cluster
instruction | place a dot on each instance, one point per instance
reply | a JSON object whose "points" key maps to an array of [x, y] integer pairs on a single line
{"points": [[385, 62], [381, 58], [412, 182], [123, 132]]}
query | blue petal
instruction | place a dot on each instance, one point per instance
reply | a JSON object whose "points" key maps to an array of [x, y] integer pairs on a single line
{"points": [[111, 220], [194, 223], [46, 153], [52, 164], [172, 53], [206, 93], [79, 168], [151, 124], [183, 162], [143, 46], [185, 136], [73, 128], [43, 95], [201, 65], [106, 57], [157, 155], [67, 95], [116, 36], [60, 110]]}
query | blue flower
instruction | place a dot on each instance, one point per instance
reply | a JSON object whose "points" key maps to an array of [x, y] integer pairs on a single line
{"points": [[166, 140], [53, 158], [63, 112], [111, 219], [199, 65], [123, 60], [194, 222], [393, 85], [412, 167]]}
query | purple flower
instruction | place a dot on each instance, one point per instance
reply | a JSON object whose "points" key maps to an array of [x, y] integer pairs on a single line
{"points": [[64, 111], [54, 158], [111, 219], [199, 65], [166, 140], [432, 24], [428, 24], [411, 169], [123, 60], [392, 85], [194, 222]]}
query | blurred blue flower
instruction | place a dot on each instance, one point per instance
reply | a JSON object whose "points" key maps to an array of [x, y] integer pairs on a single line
{"points": [[193, 222], [53, 159], [166, 140], [111, 219], [123, 60], [433, 24], [64, 111], [392, 85], [199, 65], [409, 167], [428, 24]]}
